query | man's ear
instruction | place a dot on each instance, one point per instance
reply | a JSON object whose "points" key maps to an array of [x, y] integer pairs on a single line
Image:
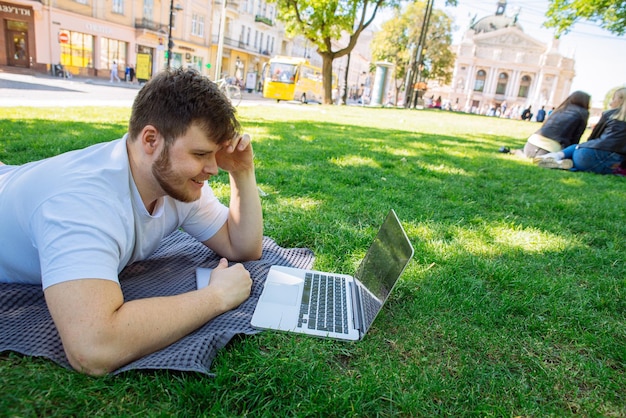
{"points": [[150, 139]]}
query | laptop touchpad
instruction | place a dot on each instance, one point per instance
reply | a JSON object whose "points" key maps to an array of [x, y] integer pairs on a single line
{"points": [[283, 294]]}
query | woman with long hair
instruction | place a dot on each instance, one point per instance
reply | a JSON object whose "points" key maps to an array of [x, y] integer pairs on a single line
{"points": [[563, 128], [605, 150]]}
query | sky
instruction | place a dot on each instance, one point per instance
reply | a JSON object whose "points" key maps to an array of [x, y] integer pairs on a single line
{"points": [[600, 57]]}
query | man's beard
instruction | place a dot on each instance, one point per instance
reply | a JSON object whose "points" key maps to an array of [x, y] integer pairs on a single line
{"points": [[162, 172]]}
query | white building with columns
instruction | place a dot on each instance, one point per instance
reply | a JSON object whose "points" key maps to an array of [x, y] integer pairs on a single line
{"points": [[501, 69]]}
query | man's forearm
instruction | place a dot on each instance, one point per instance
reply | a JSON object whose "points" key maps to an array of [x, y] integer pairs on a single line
{"points": [[245, 222], [101, 332]]}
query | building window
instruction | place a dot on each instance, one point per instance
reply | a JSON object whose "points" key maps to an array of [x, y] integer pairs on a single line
{"points": [[197, 63], [524, 86], [503, 79], [118, 6], [479, 84], [112, 50], [78, 52], [200, 25], [82, 1], [197, 25], [148, 6]]}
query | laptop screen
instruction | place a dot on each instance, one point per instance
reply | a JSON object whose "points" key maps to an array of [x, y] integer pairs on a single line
{"points": [[382, 266]]}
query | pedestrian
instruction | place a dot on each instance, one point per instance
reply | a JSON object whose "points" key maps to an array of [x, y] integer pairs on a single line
{"points": [[114, 75], [541, 114]]}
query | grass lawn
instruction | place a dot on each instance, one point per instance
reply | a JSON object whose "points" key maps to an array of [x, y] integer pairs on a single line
{"points": [[514, 304]]}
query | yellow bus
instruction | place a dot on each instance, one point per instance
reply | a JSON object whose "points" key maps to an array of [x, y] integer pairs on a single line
{"points": [[286, 78]]}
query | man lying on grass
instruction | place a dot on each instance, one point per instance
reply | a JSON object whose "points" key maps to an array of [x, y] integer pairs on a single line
{"points": [[72, 222]]}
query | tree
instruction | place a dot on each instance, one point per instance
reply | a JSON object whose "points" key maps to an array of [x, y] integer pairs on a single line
{"points": [[396, 42], [322, 21], [610, 14], [325, 21]]}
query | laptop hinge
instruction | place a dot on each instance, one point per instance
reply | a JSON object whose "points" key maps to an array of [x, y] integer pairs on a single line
{"points": [[356, 307]]}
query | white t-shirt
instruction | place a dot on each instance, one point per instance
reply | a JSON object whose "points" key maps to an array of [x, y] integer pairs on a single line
{"points": [[79, 215]]}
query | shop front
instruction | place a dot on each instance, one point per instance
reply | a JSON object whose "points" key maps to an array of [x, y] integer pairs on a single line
{"points": [[90, 47], [17, 35]]}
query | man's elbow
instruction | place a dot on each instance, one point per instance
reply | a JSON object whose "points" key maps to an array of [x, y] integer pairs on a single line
{"points": [[92, 360], [256, 251], [256, 254], [249, 254]]}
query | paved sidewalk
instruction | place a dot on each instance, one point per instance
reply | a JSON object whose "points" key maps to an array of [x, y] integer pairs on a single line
{"points": [[25, 87]]}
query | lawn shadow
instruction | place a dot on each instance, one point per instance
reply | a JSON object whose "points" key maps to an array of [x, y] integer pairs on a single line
{"points": [[27, 140]]}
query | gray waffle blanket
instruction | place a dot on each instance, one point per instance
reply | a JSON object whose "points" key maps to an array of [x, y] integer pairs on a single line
{"points": [[27, 328]]}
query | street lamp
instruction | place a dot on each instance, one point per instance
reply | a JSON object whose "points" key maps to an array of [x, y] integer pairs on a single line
{"points": [[170, 43], [418, 58]]}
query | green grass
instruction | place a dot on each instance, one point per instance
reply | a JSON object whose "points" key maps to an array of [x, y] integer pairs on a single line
{"points": [[514, 304]]}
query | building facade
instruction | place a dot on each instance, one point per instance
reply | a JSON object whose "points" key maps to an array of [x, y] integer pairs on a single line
{"points": [[17, 33], [87, 36], [501, 70]]}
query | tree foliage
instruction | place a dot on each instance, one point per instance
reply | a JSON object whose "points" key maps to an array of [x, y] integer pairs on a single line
{"points": [[610, 14], [325, 21], [393, 44]]}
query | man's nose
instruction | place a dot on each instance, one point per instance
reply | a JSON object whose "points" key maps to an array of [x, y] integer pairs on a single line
{"points": [[210, 166]]}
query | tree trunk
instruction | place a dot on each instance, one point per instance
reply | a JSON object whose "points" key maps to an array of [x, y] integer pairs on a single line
{"points": [[327, 74]]}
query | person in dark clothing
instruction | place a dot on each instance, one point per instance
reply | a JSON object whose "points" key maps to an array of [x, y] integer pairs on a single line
{"points": [[605, 150], [563, 128], [527, 114], [541, 114]]}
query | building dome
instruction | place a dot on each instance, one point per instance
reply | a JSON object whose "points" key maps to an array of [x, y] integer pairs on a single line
{"points": [[495, 22]]}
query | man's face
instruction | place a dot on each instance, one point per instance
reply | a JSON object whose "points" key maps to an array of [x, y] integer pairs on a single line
{"points": [[182, 169]]}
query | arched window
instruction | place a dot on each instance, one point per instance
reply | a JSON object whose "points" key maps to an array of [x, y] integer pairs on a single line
{"points": [[524, 86], [503, 79], [479, 84]]}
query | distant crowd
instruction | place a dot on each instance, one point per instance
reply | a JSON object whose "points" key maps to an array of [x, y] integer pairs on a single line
{"points": [[501, 111]]}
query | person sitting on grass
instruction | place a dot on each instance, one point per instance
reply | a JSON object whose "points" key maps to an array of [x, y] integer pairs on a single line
{"points": [[563, 128], [72, 222], [605, 150]]}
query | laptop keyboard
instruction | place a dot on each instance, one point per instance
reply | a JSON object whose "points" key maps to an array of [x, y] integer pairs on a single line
{"points": [[324, 303], [370, 304]]}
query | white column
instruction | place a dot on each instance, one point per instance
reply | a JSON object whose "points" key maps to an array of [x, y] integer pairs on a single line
{"points": [[555, 84], [489, 81], [513, 87], [537, 88]]}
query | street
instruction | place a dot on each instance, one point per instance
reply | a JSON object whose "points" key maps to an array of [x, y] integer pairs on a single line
{"points": [[42, 90]]}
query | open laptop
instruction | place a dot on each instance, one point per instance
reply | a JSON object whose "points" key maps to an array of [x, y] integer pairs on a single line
{"points": [[298, 300]]}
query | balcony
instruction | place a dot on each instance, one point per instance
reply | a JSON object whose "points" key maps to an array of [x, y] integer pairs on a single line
{"points": [[263, 19], [150, 25], [230, 4]]}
